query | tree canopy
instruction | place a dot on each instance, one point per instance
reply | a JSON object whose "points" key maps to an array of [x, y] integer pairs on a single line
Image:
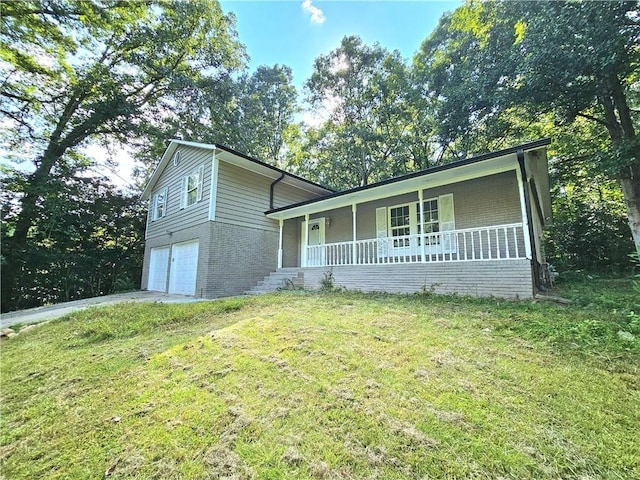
{"points": [[363, 92], [489, 61]]}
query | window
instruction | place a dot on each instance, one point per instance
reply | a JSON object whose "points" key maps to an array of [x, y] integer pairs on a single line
{"points": [[430, 223], [159, 204], [399, 222], [404, 226], [192, 187]]}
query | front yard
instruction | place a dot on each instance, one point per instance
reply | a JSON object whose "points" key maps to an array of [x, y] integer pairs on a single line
{"points": [[339, 385]]}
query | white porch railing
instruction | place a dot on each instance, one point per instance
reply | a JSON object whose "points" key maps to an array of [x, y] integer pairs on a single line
{"points": [[500, 242]]}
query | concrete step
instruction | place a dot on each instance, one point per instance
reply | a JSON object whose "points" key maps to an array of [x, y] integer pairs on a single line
{"points": [[278, 279]]}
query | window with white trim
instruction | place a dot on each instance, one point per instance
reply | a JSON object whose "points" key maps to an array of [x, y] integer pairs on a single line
{"points": [[404, 225], [192, 187], [400, 225], [159, 204], [430, 222]]}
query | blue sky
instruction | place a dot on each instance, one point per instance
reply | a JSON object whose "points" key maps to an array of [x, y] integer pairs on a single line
{"points": [[295, 32]]}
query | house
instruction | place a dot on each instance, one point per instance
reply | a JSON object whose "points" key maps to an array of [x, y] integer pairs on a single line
{"points": [[222, 223]]}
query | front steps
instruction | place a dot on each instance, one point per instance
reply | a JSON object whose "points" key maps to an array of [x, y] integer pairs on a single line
{"points": [[284, 279]]}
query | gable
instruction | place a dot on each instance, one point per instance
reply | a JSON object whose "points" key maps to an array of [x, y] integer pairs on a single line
{"points": [[237, 158]]}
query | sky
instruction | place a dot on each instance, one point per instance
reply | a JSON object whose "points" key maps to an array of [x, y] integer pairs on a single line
{"points": [[296, 32]]}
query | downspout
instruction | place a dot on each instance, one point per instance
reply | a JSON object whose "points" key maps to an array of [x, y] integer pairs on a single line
{"points": [[273, 184], [527, 205]]}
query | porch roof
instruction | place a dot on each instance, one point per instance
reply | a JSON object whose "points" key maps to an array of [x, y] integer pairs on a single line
{"points": [[474, 167]]}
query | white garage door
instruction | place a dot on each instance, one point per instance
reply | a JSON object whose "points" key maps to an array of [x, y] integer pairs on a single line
{"points": [[184, 267], [158, 268]]}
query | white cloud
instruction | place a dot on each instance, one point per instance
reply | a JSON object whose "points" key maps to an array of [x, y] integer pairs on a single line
{"points": [[317, 15]]}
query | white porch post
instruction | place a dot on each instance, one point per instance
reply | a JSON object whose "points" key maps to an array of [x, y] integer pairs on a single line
{"points": [[280, 245], [305, 241], [422, 243], [354, 249], [525, 221]]}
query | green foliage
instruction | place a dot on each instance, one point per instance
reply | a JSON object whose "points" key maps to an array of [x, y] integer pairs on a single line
{"points": [[86, 241], [371, 128], [590, 229], [634, 315], [488, 65], [104, 67], [327, 282]]}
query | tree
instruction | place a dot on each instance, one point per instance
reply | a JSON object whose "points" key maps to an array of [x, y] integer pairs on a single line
{"points": [[489, 60], [363, 91], [268, 102], [86, 240], [249, 114], [74, 71]]}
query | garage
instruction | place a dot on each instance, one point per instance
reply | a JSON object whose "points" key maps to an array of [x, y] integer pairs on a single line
{"points": [[158, 269], [184, 268]]}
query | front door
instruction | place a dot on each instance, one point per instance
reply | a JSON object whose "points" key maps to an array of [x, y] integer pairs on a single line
{"points": [[315, 241]]}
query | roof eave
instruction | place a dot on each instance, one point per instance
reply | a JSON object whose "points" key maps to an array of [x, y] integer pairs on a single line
{"points": [[277, 213]]}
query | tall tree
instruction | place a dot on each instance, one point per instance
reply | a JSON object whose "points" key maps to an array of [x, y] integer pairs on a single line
{"points": [[73, 71], [573, 59], [363, 93], [249, 113], [268, 102]]}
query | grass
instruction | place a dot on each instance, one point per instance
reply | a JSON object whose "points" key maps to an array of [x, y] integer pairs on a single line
{"points": [[340, 385]]}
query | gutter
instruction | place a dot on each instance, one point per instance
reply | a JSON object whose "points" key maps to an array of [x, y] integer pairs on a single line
{"points": [[527, 204], [271, 188]]}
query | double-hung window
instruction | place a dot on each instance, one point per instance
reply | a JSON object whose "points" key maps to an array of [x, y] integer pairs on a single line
{"points": [[400, 225], [159, 204], [406, 227], [430, 223], [192, 187]]}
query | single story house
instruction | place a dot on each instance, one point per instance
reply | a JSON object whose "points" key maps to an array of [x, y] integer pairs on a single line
{"points": [[222, 223]]}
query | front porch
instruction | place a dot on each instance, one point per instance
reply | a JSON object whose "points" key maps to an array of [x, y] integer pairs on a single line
{"points": [[483, 261], [472, 227], [499, 242]]}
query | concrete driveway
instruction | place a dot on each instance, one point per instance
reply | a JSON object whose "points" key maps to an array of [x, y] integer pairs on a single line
{"points": [[43, 314]]}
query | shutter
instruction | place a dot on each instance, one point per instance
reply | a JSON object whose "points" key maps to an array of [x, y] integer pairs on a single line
{"points": [[200, 182], [381, 222], [183, 194], [381, 231], [166, 200], [447, 222]]}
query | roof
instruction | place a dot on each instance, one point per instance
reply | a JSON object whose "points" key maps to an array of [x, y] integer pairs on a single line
{"points": [[366, 192], [237, 158]]}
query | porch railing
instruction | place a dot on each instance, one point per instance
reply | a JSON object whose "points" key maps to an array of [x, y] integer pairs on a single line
{"points": [[500, 242]]}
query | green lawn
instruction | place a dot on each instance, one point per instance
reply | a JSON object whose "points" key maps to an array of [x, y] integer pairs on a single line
{"points": [[339, 385]]}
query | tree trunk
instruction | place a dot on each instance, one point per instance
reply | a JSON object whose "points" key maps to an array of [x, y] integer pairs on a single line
{"points": [[621, 130], [631, 190]]}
